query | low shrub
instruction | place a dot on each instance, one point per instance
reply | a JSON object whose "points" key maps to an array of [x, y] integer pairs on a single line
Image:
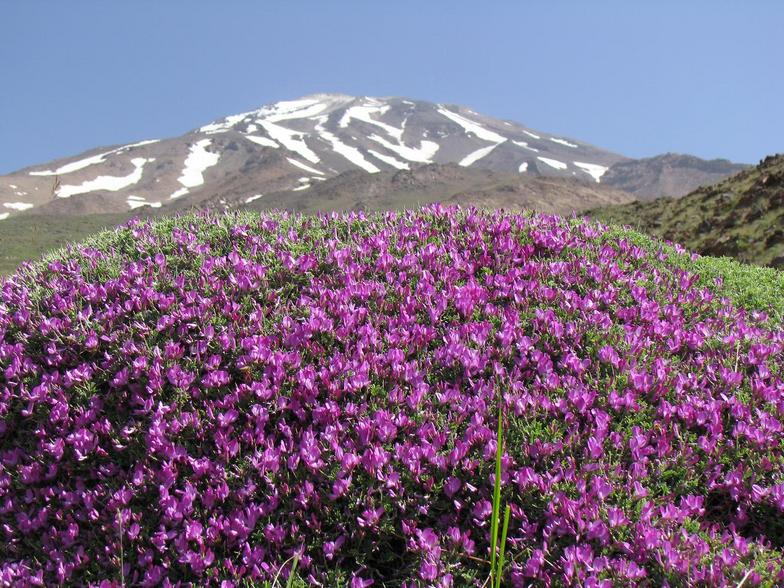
{"points": [[207, 400]]}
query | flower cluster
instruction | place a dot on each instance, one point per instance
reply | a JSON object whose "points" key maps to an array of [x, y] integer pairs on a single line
{"points": [[204, 400]]}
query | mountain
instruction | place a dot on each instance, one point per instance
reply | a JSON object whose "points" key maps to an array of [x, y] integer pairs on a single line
{"points": [[741, 217], [670, 174], [293, 146]]}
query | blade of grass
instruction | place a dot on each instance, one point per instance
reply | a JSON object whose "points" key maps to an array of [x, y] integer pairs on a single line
{"points": [[500, 572], [496, 489], [293, 572], [280, 569]]}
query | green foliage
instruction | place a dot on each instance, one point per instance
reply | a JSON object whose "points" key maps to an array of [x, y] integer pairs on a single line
{"points": [[28, 237], [741, 217], [496, 559]]}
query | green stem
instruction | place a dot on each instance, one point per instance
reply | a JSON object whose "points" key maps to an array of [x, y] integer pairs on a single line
{"points": [[500, 571], [496, 490], [293, 572]]}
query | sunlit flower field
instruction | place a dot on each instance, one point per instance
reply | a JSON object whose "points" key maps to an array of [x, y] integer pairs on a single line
{"points": [[216, 400]]}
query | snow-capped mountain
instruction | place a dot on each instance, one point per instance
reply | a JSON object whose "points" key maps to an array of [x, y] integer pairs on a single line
{"points": [[293, 145]]}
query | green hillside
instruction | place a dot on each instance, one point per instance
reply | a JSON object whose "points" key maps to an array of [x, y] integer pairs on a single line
{"points": [[28, 237], [740, 217]]}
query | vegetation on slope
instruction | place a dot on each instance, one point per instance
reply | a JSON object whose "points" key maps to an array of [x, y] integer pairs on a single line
{"points": [[741, 217], [210, 399], [29, 236]]}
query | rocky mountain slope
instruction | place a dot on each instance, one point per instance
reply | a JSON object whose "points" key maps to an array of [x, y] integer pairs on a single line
{"points": [[451, 183], [671, 174], [741, 217], [293, 146]]}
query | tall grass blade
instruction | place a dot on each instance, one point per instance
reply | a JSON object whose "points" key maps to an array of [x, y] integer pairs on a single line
{"points": [[496, 489], [293, 572], [500, 572]]}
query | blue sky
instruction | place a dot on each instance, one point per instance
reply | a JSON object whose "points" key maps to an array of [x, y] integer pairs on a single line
{"points": [[639, 78]]}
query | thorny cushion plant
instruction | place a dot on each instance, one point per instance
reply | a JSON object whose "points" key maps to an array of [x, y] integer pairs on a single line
{"points": [[213, 396]]}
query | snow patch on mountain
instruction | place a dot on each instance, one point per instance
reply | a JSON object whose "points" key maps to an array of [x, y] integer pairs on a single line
{"points": [[595, 170], [292, 109], [196, 163], [108, 183], [178, 193], [304, 184], [388, 159], [290, 139], [20, 206], [225, 124], [423, 154], [73, 166], [472, 127], [553, 162], [301, 165], [563, 142], [262, 141], [525, 145], [135, 202], [88, 161], [477, 155], [363, 113], [353, 154]]}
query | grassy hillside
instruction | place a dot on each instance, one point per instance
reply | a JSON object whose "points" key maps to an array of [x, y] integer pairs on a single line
{"points": [[28, 237], [740, 217], [216, 400]]}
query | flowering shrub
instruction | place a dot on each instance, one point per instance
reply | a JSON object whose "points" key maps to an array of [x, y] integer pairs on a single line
{"points": [[205, 400]]}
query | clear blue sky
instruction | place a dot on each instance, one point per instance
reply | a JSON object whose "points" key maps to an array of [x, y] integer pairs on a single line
{"points": [[640, 78]]}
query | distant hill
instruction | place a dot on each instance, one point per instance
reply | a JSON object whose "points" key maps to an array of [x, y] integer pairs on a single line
{"points": [[671, 174], [741, 217]]}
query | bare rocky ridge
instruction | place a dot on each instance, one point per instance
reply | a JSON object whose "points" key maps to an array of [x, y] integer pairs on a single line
{"points": [[291, 147], [670, 174]]}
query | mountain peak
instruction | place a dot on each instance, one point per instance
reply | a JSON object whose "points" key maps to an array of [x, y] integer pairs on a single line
{"points": [[330, 96], [293, 145]]}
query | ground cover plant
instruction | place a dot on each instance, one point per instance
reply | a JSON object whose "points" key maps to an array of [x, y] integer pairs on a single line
{"points": [[214, 400]]}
